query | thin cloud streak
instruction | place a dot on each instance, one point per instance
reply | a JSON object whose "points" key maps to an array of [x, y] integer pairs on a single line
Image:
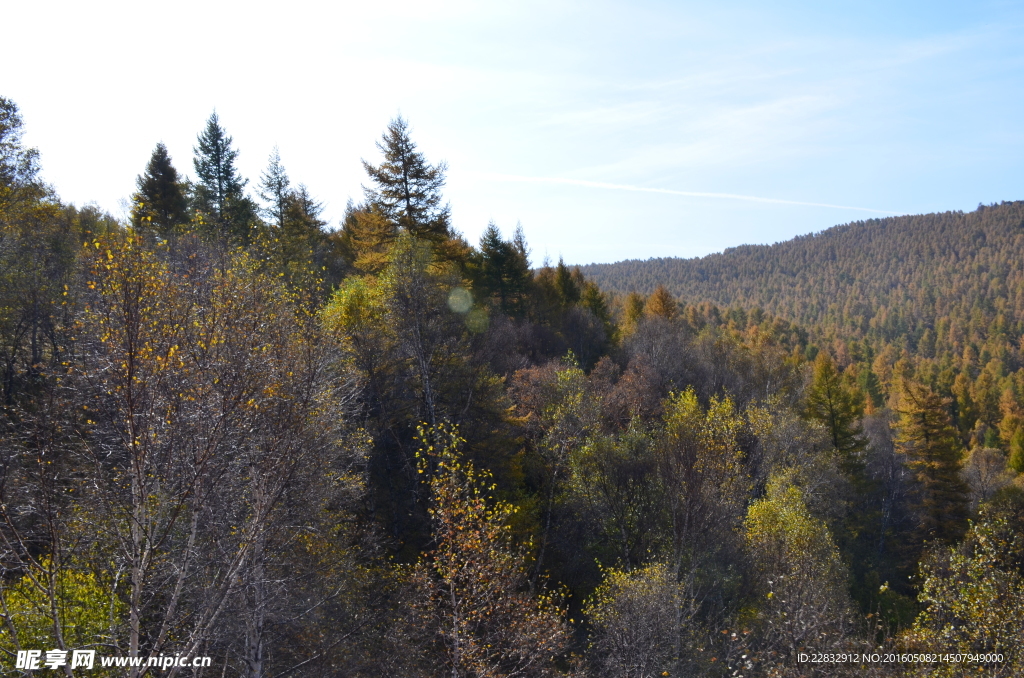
{"points": [[670, 191]]}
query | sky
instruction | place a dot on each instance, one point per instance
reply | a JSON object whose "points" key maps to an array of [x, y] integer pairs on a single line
{"points": [[608, 130]]}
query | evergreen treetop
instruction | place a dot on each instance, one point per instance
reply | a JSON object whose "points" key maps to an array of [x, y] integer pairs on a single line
{"points": [[275, 189], [159, 204], [219, 194], [929, 440], [407, 189]]}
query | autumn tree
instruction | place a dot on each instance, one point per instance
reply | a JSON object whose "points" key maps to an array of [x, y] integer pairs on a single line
{"points": [[37, 257], [839, 408], [205, 392], [800, 578], [159, 203], [974, 598], [480, 620], [661, 304], [614, 485], [635, 623], [933, 451]]}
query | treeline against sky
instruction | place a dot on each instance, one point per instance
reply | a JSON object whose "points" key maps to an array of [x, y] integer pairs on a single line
{"points": [[231, 430]]}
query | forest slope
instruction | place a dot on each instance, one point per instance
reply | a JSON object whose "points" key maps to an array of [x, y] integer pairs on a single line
{"points": [[883, 278]]}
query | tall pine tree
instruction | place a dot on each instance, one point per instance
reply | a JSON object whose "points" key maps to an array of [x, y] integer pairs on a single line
{"points": [[159, 205], [928, 439], [275, 190], [218, 197], [407, 190]]}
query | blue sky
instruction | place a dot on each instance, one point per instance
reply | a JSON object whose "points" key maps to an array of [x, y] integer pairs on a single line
{"points": [[610, 130]]}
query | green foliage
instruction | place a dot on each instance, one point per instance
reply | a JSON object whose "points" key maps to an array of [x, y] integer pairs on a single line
{"points": [[974, 594], [159, 205], [1016, 460], [472, 580], [800, 578], [501, 272], [933, 450], [60, 607], [407, 190], [218, 199], [839, 408]]}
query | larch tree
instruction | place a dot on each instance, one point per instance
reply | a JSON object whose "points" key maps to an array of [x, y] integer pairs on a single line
{"points": [[839, 408], [159, 205], [933, 450], [661, 304], [632, 311]]}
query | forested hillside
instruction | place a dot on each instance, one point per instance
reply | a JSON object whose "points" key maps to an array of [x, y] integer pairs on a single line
{"points": [[899, 277], [231, 431], [942, 295]]}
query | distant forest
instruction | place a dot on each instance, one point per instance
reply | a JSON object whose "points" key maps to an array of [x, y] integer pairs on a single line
{"points": [[229, 429]]}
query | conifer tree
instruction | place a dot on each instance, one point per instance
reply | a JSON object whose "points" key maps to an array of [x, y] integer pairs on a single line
{"points": [[661, 304], [1016, 457], [366, 237], [302, 229], [502, 270], [566, 284], [159, 204], [839, 408], [633, 311], [933, 450], [275, 189], [407, 190], [219, 196]]}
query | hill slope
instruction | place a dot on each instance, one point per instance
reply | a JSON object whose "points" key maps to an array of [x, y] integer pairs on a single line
{"points": [[887, 278]]}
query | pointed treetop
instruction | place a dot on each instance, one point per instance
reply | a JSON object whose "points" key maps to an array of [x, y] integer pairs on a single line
{"points": [[219, 196], [159, 204], [407, 190], [274, 189]]}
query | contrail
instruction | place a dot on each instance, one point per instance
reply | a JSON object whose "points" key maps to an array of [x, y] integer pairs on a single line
{"points": [[669, 191]]}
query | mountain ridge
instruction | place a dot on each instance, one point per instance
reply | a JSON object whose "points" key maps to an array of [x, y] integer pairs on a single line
{"points": [[855, 276]]}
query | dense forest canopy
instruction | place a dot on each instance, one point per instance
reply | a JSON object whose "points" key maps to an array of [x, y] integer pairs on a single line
{"points": [[232, 431]]}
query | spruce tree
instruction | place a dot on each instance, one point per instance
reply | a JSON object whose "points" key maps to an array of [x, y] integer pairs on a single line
{"points": [[159, 205], [927, 437], [275, 190], [407, 190], [219, 198], [566, 285], [502, 270], [301, 225]]}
